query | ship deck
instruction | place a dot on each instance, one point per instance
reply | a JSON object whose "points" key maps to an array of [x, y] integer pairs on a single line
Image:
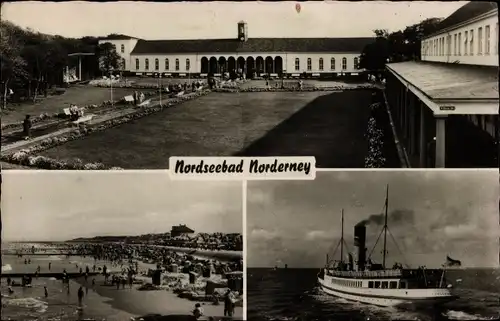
{"points": [[383, 274]]}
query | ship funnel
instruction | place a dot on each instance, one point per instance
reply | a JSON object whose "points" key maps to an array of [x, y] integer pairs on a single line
{"points": [[360, 244]]}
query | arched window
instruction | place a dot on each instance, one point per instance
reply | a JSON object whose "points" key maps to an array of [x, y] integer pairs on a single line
{"points": [[123, 64], [122, 48], [177, 64], [188, 64], [146, 62], [320, 63], [344, 63], [157, 64], [136, 63], [167, 66], [356, 66], [309, 64], [297, 64], [332, 64]]}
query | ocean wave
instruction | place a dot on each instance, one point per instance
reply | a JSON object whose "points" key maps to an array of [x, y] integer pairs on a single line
{"points": [[50, 258], [29, 303], [6, 268], [460, 315]]}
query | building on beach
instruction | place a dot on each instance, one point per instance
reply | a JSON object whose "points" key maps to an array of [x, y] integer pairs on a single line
{"points": [[445, 107], [290, 57], [180, 230]]}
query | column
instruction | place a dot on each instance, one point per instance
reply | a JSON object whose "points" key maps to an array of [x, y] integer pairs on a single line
{"points": [[440, 141], [80, 67], [423, 143], [412, 125]]}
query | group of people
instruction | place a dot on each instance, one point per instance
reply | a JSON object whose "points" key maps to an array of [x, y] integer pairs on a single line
{"points": [[75, 112], [138, 97], [229, 305]]}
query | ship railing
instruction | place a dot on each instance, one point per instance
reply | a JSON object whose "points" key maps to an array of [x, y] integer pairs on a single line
{"points": [[367, 274]]}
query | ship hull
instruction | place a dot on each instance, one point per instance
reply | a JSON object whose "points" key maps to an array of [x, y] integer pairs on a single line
{"points": [[385, 300]]}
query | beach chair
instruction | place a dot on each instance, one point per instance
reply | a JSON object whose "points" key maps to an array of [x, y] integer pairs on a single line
{"points": [[144, 103]]}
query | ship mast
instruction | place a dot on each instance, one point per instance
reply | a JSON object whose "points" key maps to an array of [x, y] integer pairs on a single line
{"points": [[385, 225], [342, 240]]}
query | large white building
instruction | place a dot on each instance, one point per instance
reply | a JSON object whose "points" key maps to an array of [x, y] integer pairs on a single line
{"points": [[445, 106], [314, 57]]}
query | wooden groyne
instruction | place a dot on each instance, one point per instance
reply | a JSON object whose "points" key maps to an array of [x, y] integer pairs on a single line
{"points": [[57, 275]]}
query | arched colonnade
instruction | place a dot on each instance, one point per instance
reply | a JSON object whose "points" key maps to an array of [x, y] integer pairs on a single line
{"points": [[251, 65]]}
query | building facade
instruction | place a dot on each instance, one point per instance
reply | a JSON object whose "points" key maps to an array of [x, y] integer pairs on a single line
{"points": [[180, 230], [312, 57], [445, 107], [124, 46]]}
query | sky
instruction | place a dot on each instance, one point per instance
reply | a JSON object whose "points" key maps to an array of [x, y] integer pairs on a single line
{"points": [[200, 20], [431, 214], [57, 206]]}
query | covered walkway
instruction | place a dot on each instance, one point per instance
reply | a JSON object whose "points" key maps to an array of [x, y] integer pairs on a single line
{"points": [[446, 115]]}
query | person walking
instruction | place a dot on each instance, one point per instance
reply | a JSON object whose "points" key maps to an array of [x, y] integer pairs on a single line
{"points": [[45, 291], [80, 296], [27, 124], [228, 304]]}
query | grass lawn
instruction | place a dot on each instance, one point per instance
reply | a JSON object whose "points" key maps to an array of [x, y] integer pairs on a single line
{"points": [[330, 126], [79, 95]]}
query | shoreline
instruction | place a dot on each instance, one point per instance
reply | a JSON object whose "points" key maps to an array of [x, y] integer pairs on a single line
{"points": [[140, 303]]}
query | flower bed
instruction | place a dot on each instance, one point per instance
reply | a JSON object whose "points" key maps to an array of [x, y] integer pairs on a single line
{"points": [[375, 136], [382, 150], [26, 156], [290, 89]]}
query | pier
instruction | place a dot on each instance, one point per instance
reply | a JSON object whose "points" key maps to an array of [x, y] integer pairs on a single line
{"points": [[57, 275], [39, 253]]}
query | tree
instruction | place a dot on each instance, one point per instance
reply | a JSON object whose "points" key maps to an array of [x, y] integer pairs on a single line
{"points": [[11, 63], [397, 46], [109, 59], [374, 56]]}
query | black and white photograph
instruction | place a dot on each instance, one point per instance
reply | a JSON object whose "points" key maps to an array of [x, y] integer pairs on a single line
{"points": [[375, 245], [120, 246], [366, 84]]}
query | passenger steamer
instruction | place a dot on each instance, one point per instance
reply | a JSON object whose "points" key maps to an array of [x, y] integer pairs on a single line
{"points": [[365, 282]]}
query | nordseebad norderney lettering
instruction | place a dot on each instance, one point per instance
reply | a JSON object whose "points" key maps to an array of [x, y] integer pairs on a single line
{"points": [[252, 166]]}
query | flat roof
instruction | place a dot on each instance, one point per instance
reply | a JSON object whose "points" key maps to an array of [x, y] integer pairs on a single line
{"points": [[445, 81]]}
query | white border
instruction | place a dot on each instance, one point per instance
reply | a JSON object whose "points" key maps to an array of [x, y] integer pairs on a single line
{"points": [[245, 275]]}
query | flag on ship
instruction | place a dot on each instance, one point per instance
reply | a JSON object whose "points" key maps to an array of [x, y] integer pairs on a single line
{"points": [[452, 262]]}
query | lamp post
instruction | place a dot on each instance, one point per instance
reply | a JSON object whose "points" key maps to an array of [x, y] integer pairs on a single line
{"points": [[161, 89], [111, 85]]}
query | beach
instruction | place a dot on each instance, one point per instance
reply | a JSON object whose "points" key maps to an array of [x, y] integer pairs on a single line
{"points": [[102, 300]]}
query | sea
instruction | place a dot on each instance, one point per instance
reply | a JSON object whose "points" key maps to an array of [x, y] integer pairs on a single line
{"points": [[30, 303], [293, 294]]}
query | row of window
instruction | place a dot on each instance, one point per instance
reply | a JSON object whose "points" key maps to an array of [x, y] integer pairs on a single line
{"points": [[443, 45], [297, 64], [371, 284], [157, 64], [321, 64], [349, 283], [386, 284]]}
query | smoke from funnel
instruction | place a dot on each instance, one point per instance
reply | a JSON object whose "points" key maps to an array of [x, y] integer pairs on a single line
{"points": [[398, 217]]}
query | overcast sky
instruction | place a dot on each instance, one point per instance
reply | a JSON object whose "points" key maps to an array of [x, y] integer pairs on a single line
{"points": [[184, 20], [431, 215], [59, 206]]}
